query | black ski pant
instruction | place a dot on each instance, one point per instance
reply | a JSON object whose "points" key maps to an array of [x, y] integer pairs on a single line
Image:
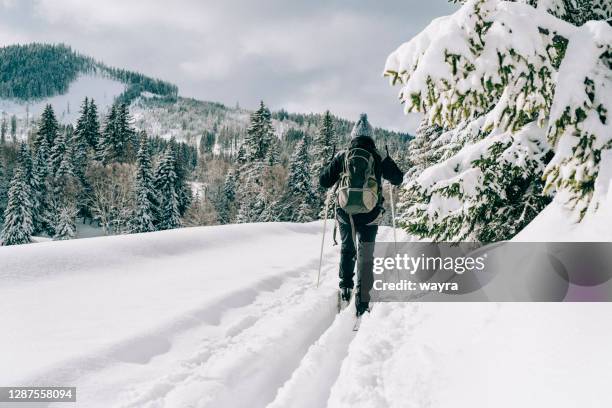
{"points": [[364, 257]]}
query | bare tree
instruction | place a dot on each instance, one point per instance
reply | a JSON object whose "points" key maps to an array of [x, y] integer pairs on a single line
{"points": [[110, 196]]}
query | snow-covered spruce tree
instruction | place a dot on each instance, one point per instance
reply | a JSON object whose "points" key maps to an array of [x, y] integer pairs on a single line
{"points": [[92, 126], [3, 130], [273, 153], [423, 150], [182, 188], [165, 185], [49, 128], [24, 158], [491, 74], [60, 151], [259, 135], [65, 187], [126, 144], [80, 142], [40, 186], [226, 201], [145, 198], [299, 201], [322, 150], [251, 197], [66, 225], [13, 128], [17, 228], [257, 157], [3, 187], [116, 143]]}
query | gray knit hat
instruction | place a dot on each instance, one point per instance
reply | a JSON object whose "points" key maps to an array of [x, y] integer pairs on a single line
{"points": [[362, 127]]}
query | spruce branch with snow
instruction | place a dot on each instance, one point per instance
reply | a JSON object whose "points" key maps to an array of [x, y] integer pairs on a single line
{"points": [[493, 76]]}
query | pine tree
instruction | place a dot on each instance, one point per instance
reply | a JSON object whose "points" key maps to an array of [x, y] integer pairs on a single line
{"points": [[80, 143], [3, 130], [14, 128], [92, 127], [322, 150], [24, 158], [207, 142], [257, 153], [17, 228], [49, 128], [273, 153], [106, 144], [165, 185], [3, 187], [423, 150], [59, 152], [182, 189], [259, 135], [145, 198], [225, 204], [40, 187], [117, 142], [66, 169], [500, 128], [126, 144], [66, 223], [252, 196], [299, 197]]}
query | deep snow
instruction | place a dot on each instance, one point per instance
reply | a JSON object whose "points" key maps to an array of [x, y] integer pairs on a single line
{"points": [[228, 316]]}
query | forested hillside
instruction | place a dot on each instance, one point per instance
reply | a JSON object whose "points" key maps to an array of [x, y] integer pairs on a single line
{"points": [[36, 71], [152, 160]]}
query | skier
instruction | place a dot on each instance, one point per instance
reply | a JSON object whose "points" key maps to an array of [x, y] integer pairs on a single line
{"points": [[359, 171]]}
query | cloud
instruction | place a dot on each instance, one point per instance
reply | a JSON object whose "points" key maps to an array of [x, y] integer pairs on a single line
{"points": [[301, 56]]}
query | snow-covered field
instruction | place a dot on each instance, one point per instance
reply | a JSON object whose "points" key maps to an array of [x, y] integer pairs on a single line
{"points": [[228, 316]]}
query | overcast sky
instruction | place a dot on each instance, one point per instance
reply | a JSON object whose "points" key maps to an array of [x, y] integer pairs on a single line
{"points": [[302, 56]]}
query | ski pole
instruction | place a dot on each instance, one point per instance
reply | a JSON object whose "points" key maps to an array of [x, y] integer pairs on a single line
{"points": [[324, 227], [393, 214], [392, 206], [323, 239]]}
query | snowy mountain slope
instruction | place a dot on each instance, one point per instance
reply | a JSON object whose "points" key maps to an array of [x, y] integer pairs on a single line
{"points": [[101, 88], [229, 317]]}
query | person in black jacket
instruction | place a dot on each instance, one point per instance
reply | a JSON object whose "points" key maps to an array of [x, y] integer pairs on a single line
{"points": [[365, 225]]}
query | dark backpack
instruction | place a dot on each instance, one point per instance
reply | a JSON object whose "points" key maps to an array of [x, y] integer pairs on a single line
{"points": [[358, 187]]}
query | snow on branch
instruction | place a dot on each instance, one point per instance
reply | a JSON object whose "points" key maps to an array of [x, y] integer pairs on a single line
{"points": [[504, 82]]}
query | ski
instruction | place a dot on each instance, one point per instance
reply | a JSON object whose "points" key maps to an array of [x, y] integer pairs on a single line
{"points": [[357, 323], [358, 319], [342, 304]]}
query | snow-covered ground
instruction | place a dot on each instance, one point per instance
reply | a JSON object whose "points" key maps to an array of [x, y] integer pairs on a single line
{"points": [[102, 89], [228, 316]]}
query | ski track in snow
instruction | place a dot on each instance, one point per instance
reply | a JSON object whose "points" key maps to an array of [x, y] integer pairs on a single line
{"points": [[256, 363], [278, 343]]}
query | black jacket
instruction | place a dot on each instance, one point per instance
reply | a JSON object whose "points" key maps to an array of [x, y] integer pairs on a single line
{"points": [[383, 168]]}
